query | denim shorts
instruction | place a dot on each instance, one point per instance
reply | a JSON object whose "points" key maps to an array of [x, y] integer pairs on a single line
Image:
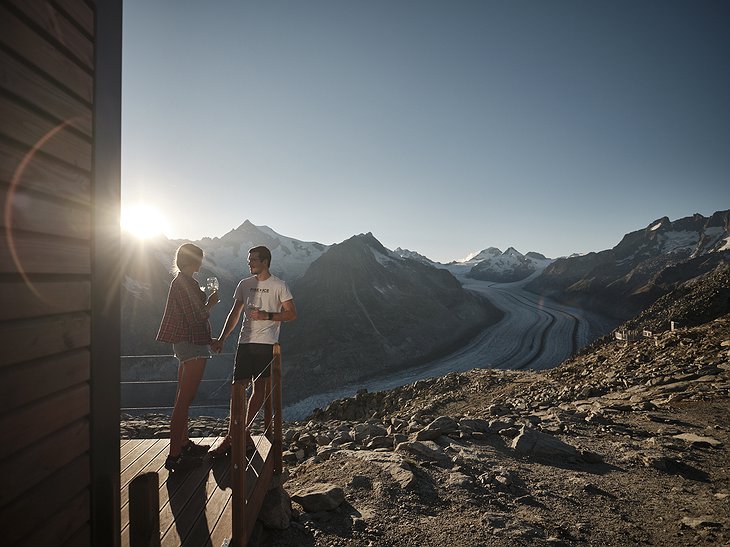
{"points": [[187, 351]]}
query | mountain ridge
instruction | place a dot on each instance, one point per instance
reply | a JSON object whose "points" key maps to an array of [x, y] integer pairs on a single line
{"points": [[621, 281], [398, 300], [370, 310]]}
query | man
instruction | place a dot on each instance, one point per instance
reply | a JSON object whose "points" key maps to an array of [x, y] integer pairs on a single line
{"points": [[268, 302]]}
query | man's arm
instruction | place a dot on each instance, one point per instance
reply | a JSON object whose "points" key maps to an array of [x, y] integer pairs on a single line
{"points": [[288, 313], [231, 321]]}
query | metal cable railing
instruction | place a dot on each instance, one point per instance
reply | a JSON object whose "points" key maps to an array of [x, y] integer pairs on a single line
{"points": [[246, 502], [159, 383], [264, 462]]}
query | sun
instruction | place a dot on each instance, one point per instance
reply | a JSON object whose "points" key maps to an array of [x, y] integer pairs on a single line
{"points": [[143, 221]]}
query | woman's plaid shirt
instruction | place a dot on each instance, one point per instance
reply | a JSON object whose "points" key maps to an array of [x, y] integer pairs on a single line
{"points": [[186, 317]]}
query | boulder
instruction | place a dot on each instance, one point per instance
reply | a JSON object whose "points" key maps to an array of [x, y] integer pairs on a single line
{"points": [[543, 445], [393, 464], [276, 509], [427, 451], [318, 498], [443, 425], [697, 440]]}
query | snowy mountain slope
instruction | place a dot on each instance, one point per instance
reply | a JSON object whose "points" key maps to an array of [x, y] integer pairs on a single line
{"points": [[492, 264], [290, 257], [507, 267], [413, 255]]}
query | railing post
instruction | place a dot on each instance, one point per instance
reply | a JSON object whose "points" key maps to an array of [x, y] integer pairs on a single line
{"points": [[242, 524], [276, 401], [238, 463], [268, 408], [144, 511]]}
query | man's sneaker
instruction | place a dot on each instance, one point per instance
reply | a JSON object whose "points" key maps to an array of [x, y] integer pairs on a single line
{"points": [[197, 450], [182, 462], [223, 450]]}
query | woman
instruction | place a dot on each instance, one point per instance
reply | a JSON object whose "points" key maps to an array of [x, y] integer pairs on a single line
{"points": [[185, 325]]}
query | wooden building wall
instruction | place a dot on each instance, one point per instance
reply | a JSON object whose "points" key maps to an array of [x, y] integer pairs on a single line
{"points": [[53, 475]]}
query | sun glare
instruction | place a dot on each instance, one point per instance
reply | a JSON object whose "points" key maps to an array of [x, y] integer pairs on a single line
{"points": [[143, 221]]}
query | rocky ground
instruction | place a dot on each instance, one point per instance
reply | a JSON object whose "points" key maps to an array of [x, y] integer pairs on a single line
{"points": [[625, 444]]}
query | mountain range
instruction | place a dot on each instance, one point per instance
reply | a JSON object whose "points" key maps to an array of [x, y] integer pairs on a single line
{"points": [[646, 264], [365, 310], [368, 311]]}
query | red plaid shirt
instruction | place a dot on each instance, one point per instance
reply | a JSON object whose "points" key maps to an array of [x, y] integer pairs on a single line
{"points": [[186, 317]]}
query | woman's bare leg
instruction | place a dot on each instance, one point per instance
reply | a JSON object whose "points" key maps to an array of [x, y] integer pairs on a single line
{"points": [[189, 376]]}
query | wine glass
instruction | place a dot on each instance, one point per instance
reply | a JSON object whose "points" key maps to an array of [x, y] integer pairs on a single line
{"points": [[211, 285], [253, 303]]}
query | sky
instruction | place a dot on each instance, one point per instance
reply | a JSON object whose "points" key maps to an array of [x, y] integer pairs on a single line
{"points": [[443, 127]]}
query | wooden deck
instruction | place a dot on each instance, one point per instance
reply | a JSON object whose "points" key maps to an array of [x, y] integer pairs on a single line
{"points": [[195, 507]]}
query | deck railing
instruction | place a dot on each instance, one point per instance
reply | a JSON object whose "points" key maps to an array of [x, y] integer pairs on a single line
{"points": [[251, 474], [152, 390], [263, 464]]}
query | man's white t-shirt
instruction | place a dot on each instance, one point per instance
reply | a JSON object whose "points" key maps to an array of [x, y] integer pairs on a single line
{"points": [[267, 296]]}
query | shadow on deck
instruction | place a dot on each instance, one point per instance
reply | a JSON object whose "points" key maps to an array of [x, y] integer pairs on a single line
{"points": [[195, 507]]}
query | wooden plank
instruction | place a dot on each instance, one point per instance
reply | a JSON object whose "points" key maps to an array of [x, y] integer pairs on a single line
{"points": [[79, 12], [222, 530], [238, 455], [191, 515], [62, 526], [35, 338], [256, 493], [43, 174], [181, 490], [157, 464], [130, 457], [41, 298], [20, 80], [152, 460], [54, 138], [217, 518], [43, 254], [41, 502], [278, 415], [33, 422], [202, 530], [36, 213], [23, 384], [126, 446], [17, 36], [48, 18], [24, 470]]}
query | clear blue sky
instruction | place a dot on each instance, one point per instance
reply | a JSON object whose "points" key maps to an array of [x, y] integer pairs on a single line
{"points": [[441, 126]]}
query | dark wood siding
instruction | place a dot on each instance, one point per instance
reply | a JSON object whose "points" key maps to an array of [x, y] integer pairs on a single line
{"points": [[49, 196]]}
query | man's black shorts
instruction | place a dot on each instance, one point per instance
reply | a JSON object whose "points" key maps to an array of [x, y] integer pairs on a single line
{"points": [[253, 360]]}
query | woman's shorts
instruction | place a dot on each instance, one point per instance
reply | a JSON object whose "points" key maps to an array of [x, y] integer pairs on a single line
{"points": [[187, 351], [252, 361]]}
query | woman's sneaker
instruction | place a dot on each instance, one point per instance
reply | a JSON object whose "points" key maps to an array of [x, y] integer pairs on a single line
{"points": [[197, 450], [182, 462]]}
